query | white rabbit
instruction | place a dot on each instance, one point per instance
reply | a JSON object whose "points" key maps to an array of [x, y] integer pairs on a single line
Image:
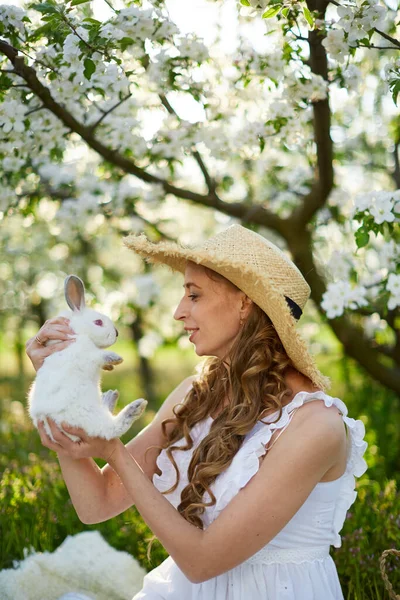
{"points": [[67, 386]]}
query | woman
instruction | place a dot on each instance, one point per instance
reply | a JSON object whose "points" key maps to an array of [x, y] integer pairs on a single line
{"points": [[256, 421]]}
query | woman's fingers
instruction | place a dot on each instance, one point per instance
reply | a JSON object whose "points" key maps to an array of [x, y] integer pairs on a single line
{"points": [[54, 329], [57, 330], [46, 440], [60, 437], [78, 431]]}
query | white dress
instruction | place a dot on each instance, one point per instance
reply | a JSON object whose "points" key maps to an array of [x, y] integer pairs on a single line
{"points": [[295, 564]]}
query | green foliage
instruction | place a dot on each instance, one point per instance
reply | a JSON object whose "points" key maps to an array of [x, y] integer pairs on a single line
{"points": [[90, 68], [372, 526], [308, 15], [76, 2], [362, 237], [394, 85], [46, 8], [272, 11]]}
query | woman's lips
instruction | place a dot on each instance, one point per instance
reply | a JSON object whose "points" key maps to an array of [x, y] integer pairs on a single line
{"points": [[192, 336]]}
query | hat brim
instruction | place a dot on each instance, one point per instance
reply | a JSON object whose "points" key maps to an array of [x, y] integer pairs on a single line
{"points": [[255, 285]]}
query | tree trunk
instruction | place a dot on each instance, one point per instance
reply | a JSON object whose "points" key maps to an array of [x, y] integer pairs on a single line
{"points": [[145, 370]]}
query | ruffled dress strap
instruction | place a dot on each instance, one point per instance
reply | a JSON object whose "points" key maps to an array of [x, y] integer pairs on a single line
{"points": [[245, 463]]}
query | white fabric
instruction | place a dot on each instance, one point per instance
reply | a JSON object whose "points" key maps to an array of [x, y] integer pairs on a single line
{"points": [[296, 564], [84, 567]]}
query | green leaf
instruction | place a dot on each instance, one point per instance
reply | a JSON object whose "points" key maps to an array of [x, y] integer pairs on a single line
{"points": [[395, 89], [272, 12], [46, 8], [94, 21], [5, 82], [245, 2], [90, 68], [52, 18], [76, 2], [285, 11], [362, 237], [125, 42], [308, 16]]}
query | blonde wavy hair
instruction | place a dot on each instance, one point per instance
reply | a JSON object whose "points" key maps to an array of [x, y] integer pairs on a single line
{"points": [[253, 383]]}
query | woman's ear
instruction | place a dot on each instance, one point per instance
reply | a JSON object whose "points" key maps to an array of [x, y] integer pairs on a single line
{"points": [[247, 304]]}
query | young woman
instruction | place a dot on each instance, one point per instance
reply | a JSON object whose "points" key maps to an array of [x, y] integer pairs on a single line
{"points": [[256, 471]]}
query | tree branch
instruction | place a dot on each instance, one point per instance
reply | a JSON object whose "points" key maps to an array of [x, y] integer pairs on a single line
{"points": [[296, 233], [354, 341], [210, 182], [389, 38], [234, 209], [107, 112], [324, 175]]}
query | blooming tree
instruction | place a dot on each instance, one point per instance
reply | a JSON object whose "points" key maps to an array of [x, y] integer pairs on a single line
{"points": [[281, 133]]}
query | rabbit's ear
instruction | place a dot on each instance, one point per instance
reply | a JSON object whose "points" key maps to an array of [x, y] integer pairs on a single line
{"points": [[74, 292]]}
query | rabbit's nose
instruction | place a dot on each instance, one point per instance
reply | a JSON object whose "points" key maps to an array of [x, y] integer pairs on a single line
{"points": [[116, 331]]}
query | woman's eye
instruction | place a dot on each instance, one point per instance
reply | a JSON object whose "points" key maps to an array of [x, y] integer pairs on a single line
{"points": [[192, 296]]}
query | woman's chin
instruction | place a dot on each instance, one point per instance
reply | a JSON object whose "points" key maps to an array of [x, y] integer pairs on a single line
{"points": [[198, 351], [202, 351]]}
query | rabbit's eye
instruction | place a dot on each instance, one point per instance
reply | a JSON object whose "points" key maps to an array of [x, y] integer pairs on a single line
{"points": [[98, 322]]}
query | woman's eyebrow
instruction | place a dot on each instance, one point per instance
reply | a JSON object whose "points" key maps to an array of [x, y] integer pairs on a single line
{"points": [[191, 284]]}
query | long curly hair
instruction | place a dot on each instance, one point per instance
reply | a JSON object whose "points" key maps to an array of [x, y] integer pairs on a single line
{"points": [[241, 392]]}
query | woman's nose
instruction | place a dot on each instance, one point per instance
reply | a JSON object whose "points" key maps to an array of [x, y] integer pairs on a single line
{"points": [[180, 311]]}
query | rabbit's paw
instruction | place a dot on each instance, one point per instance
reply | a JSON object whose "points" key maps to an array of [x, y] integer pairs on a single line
{"points": [[135, 409], [128, 415], [110, 398], [111, 358]]}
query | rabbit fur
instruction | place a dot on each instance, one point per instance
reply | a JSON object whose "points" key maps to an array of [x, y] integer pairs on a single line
{"points": [[67, 386]]}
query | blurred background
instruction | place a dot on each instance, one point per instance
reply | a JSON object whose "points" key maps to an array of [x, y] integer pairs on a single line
{"points": [[227, 136]]}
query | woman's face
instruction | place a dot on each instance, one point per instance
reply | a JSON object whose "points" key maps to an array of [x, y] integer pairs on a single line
{"points": [[212, 309]]}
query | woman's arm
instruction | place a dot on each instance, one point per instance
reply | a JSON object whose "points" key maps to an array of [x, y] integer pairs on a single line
{"points": [[99, 494], [285, 479]]}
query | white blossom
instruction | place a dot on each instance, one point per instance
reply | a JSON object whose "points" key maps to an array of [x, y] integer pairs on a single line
{"points": [[149, 343], [193, 49], [71, 50], [111, 32], [389, 253], [341, 295], [382, 210], [12, 114], [154, 195], [339, 266], [336, 45], [12, 15], [57, 174], [147, 290], [372, 324], [316, 88], [380, 204], [12, 163], [167, 29], [393, 284], [352, 77], [136, 23]]}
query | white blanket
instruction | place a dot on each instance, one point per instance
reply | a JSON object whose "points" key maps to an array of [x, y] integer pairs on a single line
{"points": [[83, 563]]}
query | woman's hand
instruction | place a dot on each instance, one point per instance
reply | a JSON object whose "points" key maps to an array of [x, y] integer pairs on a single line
{"points": [[53, 329], [87, 447]]}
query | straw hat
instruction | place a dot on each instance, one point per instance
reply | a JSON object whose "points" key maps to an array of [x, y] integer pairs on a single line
{"points": [[257, 267]]}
